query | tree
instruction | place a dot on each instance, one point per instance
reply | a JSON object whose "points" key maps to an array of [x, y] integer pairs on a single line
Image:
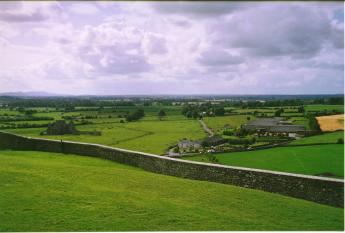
{"points": [[301, 109], [313, 124], [161, 114], [189, 114], [278, 112], [195, 114], [241, 132], [136, 115], [29, 112], [248, 118], [219, 111]]}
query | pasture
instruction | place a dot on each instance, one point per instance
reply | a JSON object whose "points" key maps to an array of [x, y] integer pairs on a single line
{"points": [[324, 160], [232, 121], [55, 192]]}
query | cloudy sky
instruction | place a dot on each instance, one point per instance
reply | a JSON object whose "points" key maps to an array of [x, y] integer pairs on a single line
{"points": [[172, 47]]}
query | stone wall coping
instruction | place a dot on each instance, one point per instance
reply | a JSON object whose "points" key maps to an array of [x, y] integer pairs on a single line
{"points": [[192, 162]]}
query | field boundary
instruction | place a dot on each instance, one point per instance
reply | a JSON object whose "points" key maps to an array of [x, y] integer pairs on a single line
{"points": [[312, 144], [328, 191]]}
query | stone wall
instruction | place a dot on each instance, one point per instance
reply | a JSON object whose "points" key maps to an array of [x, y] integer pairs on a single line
{"points": [[317, 189]]}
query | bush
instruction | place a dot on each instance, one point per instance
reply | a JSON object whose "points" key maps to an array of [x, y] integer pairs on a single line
{"points": [[241, 132], [212, 158], [136, 115], [220, 111], [313, 124], [213, 141], [176, 150], [240, 141], [228, 133], [278, 112], [340, 141]]}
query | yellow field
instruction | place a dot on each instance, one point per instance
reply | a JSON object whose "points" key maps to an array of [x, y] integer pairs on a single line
{"points": [[331, 123]]}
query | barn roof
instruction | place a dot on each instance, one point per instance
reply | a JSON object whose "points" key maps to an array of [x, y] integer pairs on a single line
{"points": [[274, 124]]}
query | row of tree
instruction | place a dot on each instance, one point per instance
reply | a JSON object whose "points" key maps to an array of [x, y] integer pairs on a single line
{"points": [[205, 109], [98, 101]]}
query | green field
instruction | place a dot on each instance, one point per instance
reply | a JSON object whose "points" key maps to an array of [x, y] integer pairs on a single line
{"points": [[323, 138], [234, 121], [322, 107], [300, 121], [56, 192], [327, 160]]}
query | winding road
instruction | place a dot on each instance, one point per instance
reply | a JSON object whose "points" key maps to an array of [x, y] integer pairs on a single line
{"points": [[207, 130]]}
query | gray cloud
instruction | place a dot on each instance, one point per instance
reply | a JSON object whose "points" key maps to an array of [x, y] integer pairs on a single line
{"points": [[23, 17], [217, 57], [19, 12], [276, 30], [337, 38], [202, 9]]}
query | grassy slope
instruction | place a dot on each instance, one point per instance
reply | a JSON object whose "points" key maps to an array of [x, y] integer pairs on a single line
{"points": [[310, 160], [55, 192]]}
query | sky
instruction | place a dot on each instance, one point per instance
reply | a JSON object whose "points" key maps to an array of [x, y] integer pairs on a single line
{"points": [[117, 48]]}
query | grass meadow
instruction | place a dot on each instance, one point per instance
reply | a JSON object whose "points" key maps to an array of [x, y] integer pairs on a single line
{"points": [[55, 192], [322, 107]]}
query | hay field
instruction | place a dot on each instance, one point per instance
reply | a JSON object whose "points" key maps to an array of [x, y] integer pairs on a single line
{"points": [[331, 123]]}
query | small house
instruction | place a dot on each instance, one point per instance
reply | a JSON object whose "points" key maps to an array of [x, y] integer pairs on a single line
{"points": [[188, 145]]}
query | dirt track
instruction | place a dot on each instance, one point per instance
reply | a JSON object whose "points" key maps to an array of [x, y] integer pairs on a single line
{"points": [[206, 129]]}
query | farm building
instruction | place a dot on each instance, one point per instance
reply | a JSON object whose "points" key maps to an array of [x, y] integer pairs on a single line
{"points": [[274, 126], [60, 127], [189, 145]]}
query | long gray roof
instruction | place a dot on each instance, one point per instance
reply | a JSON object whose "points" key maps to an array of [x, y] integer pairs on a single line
{"points": [[272, 125]]}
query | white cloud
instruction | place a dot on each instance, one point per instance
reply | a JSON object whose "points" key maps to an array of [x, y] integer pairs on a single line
{"points": [[81, 8], [221, 47]]}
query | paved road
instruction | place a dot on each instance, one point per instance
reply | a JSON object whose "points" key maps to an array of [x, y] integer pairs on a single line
{"points": [[172, 153], [207, 130]]}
